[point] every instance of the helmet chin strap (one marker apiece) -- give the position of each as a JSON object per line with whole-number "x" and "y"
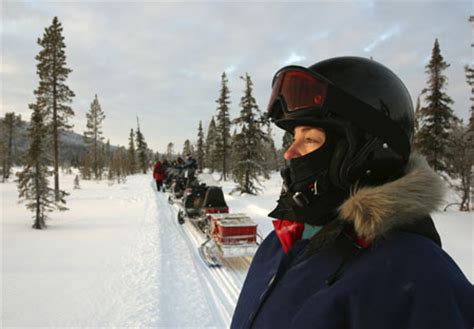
{"x": 315, "y": 207}
{"x": 308, "y": 195}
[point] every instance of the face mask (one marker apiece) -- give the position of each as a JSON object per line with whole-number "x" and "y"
{"x": 302, "y": 172}
{"x": 300, "y": 176}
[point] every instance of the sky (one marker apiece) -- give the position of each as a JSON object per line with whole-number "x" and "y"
{"x": 162, "y": 61}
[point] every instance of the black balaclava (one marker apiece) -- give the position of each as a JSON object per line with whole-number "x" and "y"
{"x": 308, "y": 195}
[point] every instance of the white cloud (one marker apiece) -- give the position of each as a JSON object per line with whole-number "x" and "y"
{"x": 294, "y": 58}
{"x": 393, "y": 31}
{"x": 163, "y": 61}
{"x": 231, "y": 69}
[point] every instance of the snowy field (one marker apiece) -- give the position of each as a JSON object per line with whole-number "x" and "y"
{"x": 118, "y": 258}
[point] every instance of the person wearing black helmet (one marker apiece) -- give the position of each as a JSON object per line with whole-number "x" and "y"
{"x": 354, "y": 245}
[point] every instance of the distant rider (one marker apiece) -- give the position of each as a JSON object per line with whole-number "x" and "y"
{"x": 158, "y": 174}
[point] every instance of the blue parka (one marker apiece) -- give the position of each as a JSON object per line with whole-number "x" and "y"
{"x": 402, "y": 280}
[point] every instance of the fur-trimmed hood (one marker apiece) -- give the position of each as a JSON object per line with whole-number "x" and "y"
{"x": 376, "y": 209}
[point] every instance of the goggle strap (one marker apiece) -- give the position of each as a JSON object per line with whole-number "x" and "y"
{"x": 369, "y": 119}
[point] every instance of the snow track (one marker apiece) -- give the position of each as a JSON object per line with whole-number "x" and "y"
{"x": 162, "y": 281}
{"x": 224, "y": 283}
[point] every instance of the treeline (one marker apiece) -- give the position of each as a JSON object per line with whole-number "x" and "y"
{"x": 247, "y": 154}
{"x": 444, "y": 139}
{"x": 51, "y": 113}
{"x": 241, "y": 148}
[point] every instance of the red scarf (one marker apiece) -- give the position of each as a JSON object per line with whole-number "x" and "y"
{"x": 288, "y": 232}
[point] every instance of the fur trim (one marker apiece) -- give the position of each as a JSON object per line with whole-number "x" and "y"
{"x": 376, "y": 209}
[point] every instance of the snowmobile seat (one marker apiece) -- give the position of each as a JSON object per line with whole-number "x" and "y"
{"x": 193, "y": 201}
{"x": 214, "y": 198}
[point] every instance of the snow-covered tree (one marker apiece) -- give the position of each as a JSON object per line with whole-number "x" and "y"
{"x": 33, "y": 186}
{"x": 250, "y": 143}
{"x": 131, "y": 154}
{"x": 233, "y": 151}
{"x": 222, "y": 141}
{"x": 200, "y": 148}
{"x": 53, "y": 95}
{"x": 142, "y": 150}
{"x": 437, "y": 117}
{"x": 211, "y": 154}
{"x": 93, "y": 136}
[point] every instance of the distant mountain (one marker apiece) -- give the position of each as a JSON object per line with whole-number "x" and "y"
{"x": 71, "y": 148}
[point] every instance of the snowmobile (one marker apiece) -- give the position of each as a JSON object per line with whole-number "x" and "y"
{"x": 226, "y": 235}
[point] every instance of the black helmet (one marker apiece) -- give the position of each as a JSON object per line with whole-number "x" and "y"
{"x": 363, "y": 101}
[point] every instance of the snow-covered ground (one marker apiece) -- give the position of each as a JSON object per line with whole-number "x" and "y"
{"x": 118, "y": 257}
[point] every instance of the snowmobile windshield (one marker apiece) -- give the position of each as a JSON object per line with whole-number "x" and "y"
{"x": 300, "y": 94}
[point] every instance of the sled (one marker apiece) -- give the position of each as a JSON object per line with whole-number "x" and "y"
{"x": 234, "y": 234}
{"x": 226, "y": 235}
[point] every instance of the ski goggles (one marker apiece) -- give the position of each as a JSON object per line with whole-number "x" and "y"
{"x": 299, "y": 93}
{"x": 297, "y": 88}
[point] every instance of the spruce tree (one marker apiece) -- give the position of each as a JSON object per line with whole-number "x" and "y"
{"x": 131, "y": 154}
{"x": 9, "y": 126}
{"x": 3, "y": 161}
{"x": 270, "y": 152}
{"x": 250, "y": 141}
{"x": 223, "y": 123}
{"x": 33, "y": 183}
{"x": 437, "y": 117}
{"x": 53, "y": 95}
{"x": 233, "y": 151}
{"x": 470, "y": 81}
{"x": 463, "y": 143}
{"x": 107, "y": 154}
{"x": 142, "y": 150}
{"x": 186, "y": 147}
{"x": 85, "y": 166}
{"x": 118, "y": 168}
{"x": 200, "y": 148}
{"x": 461, "y": 163}
{"x": 211, "y": 154}
{"x": 93, "y": 136}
